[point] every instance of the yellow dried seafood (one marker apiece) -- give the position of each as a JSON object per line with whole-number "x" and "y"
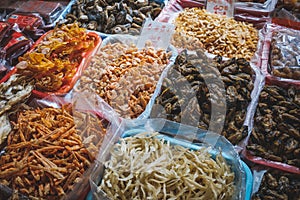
{"x": 145, "y": 167}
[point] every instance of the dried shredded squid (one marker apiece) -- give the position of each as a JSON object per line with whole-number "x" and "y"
{"x": 145, "y": 167}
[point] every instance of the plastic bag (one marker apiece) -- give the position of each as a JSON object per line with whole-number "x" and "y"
{"x": 281, "y": 52}
{"x": 182, "y": 134}
{"x": 91, "y": 126}
{"x": 131, "y": 93}
{"x": 272, "y": 140}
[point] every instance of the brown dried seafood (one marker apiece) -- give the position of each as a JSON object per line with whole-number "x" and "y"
{"x": 196, "y": 91}
{"x": 218, "y": 34}
{"x": 284, "y": 52}
{"x": 124, "y": 76}
{"x": 275, "y": 134}
{"x": 45, "y": 154}
{"x": 14, "y": 91}
{"x": 145, "y": 167}
{"x": 110, "y": 16}
{"x": 277, "y": 185}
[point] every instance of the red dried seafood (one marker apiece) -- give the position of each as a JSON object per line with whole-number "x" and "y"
{"x": 47, "y": 151}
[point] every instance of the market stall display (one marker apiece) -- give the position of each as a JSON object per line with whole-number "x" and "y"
{"x": 113, "y": 17}
{"x": 123, "y": 75}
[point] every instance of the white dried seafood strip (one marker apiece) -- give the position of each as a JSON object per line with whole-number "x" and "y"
{"x": 124, "y": 76}
{"x": 218, "y": 34}
{"x": 145, "y": 167}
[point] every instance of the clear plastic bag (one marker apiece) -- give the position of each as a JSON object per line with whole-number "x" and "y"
{"x": 189, "y": 137}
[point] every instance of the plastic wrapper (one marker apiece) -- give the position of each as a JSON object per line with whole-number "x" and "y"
{"x": 13, "y": 44}
{"x": 275, "y": 134}
{"x": 29, "y": 23}
{"x": 177, "y": 134}
{"x": 207, "y": 94}
{"x": 255, "y": 9}
{"x": 58, "y": 72}
{"x": 91, "y": 127}
{"x": 274, "y": 184}
{"x": 111, "y": 17}
{"x": 280, "y": 52}
{"x": 133, "y": 82}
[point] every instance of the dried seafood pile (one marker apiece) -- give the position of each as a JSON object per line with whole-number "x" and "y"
{"x": 275, "y": 134}
{"x": 46, "y": 152}
{"x": 110, "y": 16}
{"x": 218, "y": 34}
{"x": 145, "y": 167}
{"x": 196, "y": 91}
{"x": 124, "y": 76}
{"x": 14, "y": 91}
{"x": 54, "y": 60}
{"x": 278, "y": 185}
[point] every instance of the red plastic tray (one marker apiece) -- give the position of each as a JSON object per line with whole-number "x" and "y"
{"x": 66, "y": 87}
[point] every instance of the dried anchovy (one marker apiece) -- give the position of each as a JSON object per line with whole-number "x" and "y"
{"x": 46, "y": 153}
{"x": 277, "y": 185}
{"x": 190, "y": 92}
{"x": 275, "y": 134}
{"x": 145, "y": 167}
{"x": 111, "y": 16}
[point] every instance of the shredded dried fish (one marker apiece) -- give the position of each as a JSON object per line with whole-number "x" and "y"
{"x": 145, "y": 167}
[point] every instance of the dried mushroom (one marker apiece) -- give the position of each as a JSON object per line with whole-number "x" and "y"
{"x": 275, "y": 134}
{"x": 277, "y": 185}
{"x": 47, "y": 152}
{"x": 218, "y": 34}
{"x": 203, "y": 93}
{"x": 124, "y": 76}
{"x": 145, "y": 167}
{"x": 113, "y": 17}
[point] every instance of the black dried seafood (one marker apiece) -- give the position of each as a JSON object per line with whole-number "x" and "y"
{"x": 202, "y": 93}
{"x": 111, "y": 16}
{"x": 275, "y": 134}
{"x": 277, "y": 185}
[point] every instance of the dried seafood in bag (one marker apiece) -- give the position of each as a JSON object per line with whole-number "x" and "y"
{"x": 275, "y": 135}
{"x": 145, "y": 167}
{"x": 218, "y": 34}
{"x": 124, "y": 76}
{"x": 113, "y": 17}
{"x": 278, "y": 185}
{"x": 48, "y": 151}
{"x": 54, "y": 60}
{"x": 14, "y": 91}
{"x": 197, "y": 90}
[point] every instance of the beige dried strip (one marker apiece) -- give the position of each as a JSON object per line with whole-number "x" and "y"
{"x": 145, "y": 167}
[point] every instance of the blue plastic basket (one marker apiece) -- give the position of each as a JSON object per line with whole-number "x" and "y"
{"x": 174, "y": 141}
